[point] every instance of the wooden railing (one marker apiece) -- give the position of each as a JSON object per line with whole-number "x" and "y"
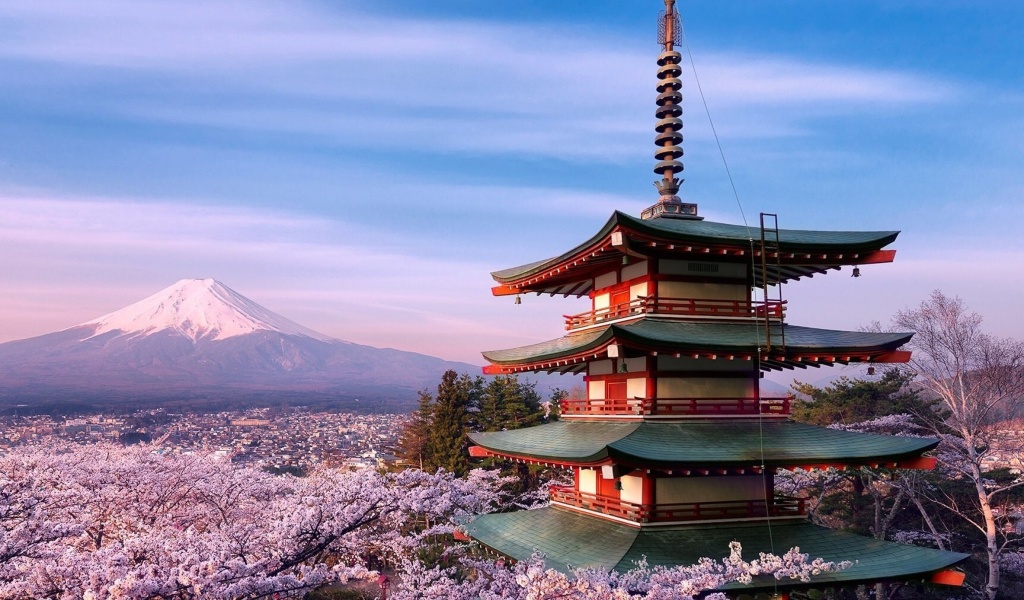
{"x": 676, "y": 406}
{"x": 780, "y": 506}
{"x": 739, "y": 309}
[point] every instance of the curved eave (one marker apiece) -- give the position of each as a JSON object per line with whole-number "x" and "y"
{"x": 567, "y": 541}
{"x": 703, "y": 444}
{"x": 790, "y": 346}
{"x": 801, "y": 253}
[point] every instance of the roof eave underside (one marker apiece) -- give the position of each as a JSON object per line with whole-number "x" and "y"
{"x": 570, "y": 272}
{"x": 730, "y": 341}
{"x": 701, "y": 444}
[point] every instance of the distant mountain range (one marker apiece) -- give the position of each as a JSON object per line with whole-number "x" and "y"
{"x": 199, "y": 342}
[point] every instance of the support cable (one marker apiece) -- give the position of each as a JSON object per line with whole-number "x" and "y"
{"x": 764, "y": 276}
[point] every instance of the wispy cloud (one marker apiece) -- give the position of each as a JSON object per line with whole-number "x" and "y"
{"x": 358, "y": 79}
{"x": 66, "y": 260}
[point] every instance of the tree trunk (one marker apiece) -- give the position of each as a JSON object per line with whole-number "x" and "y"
{"x": 991, "y": 541}
{"x": 928, "y": 521}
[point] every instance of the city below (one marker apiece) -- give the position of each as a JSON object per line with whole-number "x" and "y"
{"x": 291, "y": 440}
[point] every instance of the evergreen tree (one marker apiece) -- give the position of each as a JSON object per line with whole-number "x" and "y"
{"x": 412, "y": 445}
{"x": 507, "y": 403}
{"x": 554, "y": 408}
{"x": 446, "y": 444}
{"x": 847, "y": 401}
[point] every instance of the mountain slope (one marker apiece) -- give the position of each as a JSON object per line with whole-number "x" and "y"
{"x": 201, "y": 338}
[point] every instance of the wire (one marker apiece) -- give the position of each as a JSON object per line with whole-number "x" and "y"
{"x": 753, "y": 266}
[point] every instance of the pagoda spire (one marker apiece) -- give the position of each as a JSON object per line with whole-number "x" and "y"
{"x": 669, "y": 126}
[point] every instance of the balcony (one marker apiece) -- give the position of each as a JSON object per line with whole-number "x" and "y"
{"x": 675, "y": 407}
{"x": 781, "y": 506}
{"x": 689, "y": 307}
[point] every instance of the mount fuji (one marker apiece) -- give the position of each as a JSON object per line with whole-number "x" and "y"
{"x": 199, "y": 342}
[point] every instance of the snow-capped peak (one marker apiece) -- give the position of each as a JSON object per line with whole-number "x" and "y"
{"x": 199, "y": 309}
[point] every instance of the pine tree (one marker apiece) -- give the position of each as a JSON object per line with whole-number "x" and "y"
{"x": 412, "y": 445}
{"x": 507, "y": 403}
{"x": 446, "y": 445}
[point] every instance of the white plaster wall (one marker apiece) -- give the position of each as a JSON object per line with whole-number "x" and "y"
{"x": 588, "y": 481}
{"x": 595, "y": 390}
{"x": 632, "y": 489}
{"x": 636, "y": 388}
{"x": 600, "y": 367}
{"x": 634, "y": 270}
{"x": 678, "y": 490}
{"x": 705, "y": 387}
{"x": 636, "y": 364}
{"x": 637, "y": 290}
{"x": 603, "y": 281}
{"x": 601, "y": 301}
{"x": 698, "y": 291}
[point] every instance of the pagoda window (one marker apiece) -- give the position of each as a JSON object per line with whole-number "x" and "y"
{"x": 703, "y": 269}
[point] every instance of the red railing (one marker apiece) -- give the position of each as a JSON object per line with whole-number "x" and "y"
{"x": 676, "y": 406}
{"x": 780, "y": 506}
{"x": 744, "y": 309}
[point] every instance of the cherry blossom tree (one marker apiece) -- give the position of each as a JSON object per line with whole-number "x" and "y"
{"x": 532, "y": 580}
{"x": 979, "y": 380}
{"x": 108, "y": 522}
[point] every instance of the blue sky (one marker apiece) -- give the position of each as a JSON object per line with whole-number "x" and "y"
{"x": 360, "y": 167}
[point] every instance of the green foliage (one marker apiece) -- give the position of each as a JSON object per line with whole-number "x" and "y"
{"x": 555, "y": 404}
{"x": 848, "y": 401}
{"x": 507, "y": 403}
{"x": 412, "y": 444}
{"x": 446, "y": 442}
{"x": 436, "y": 434}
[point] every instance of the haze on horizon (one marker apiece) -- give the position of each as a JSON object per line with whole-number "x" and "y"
{"x": 360, "y": 169}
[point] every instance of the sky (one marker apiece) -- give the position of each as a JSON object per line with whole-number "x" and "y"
{"x": 361, "y": 166}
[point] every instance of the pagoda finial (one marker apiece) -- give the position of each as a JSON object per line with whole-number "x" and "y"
{"x": 670, "y": 125}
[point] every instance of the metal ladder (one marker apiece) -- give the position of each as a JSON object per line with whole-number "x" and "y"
{"x": 770, "y": 250}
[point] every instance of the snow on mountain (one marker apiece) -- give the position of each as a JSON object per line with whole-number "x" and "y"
{"x": 198, "y": 309}
{"x": 199, "y": 339}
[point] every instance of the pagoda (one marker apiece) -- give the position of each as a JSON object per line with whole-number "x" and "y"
{"x": 674, "y": 451}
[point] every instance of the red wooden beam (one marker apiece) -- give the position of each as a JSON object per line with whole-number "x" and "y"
{"x": 948, "y": 577}
{"x": 877, "y": 257}
{"x": 894, "y": 356}
{"x": 504, "y": 290}
{"x": 923, "y": 463}
{"x": 479, "y": 452}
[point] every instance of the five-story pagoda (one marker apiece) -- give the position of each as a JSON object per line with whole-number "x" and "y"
{"x": 674, "y": 450}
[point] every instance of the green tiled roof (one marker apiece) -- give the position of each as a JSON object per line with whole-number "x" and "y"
{"x": 707, "y": 232}
{"x": 572, "y": 540}
{"x": 651, "y": 332}
{"x": 700, "y": 443}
